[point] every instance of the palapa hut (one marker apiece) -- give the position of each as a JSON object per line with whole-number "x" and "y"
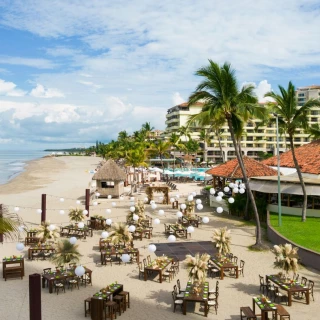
{"x": 110, "y": 179}
{"x": 231, "y": 171}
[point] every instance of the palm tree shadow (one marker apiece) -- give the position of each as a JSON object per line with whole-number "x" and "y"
{"x": 246, "y": 288}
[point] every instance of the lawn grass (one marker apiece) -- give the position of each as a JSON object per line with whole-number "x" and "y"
{"x": 306, "y": 234}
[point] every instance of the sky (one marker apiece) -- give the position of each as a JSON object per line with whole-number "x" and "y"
{"x": 72, "y": 72}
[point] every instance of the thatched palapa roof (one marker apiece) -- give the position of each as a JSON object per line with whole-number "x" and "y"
{"x": 110, "y": 171}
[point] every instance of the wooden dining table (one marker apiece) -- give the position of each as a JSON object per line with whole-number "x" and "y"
{"x": 61, "y": 276}
{"x": 291, "y": 287}
{"x": 225, "y": 264}
{"x": 118, "y": 253}
{"x": 40, "y": 249}
{"x": 202, "y": 297}
{"x": 265, "y": 307}
{"x": 179, "y": 230}
{"x": 155, "y": 267}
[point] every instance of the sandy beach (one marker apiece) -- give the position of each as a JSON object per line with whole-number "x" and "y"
{"x": 68, "y": 177}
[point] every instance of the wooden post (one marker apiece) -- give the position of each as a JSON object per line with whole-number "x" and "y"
{"x": 43, "y": 207}
{"x": 35, "y": 296}
{"x": 87, "y": 201}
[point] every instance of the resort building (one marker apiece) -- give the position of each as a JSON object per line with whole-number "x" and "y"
{"x": 253, "y": 142}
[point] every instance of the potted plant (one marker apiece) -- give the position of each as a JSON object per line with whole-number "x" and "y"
{"x": 222, "y": 240}
{"x": 76, "y": 215}
{"x": 65, "y": 253}
{"x": 44, "y": 233}
{"x": 286, "y": 258}
{"x": 197, "y": 267}
{"x": 120, "y": 234}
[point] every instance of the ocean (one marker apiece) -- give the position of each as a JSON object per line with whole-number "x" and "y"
{"x": 12, "y": 162}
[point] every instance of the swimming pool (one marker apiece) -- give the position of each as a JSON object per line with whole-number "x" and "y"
{"x": 195, "y": 173}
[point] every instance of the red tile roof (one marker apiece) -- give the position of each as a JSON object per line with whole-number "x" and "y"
{"x": 231, "y": 169}
{"x": 308, "y": 157}
{"x": 185, "y": 104}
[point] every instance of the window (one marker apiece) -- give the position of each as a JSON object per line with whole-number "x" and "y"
{"x": 314, "y": 112}
{"x": 314, "y": 119}
{"x": 301, "y": 99}
{"x": 249, "y": 138}
{"x": 301, "y": 95}
{"x": 107, "y": 184}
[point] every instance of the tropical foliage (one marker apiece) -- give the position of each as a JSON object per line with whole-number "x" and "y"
{"x": 222, "y": 240}
{"x": 197, "y": 266}
{"x": 76, "y": 215}
{"x": 120, "y": 234}
{"x": 65, "y": 253}
{"x": 292, "y": 117}
{"x": 286, "y": 257}
{"x": 44, "y": 233}
{"x": 139, "y": 211}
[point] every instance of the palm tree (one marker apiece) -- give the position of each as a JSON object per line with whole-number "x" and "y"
{"x": 220, "y": 94}
{"x": 65, "y": 253}
{"x": 175, "y": 144}
{"x": 147, "y": 129}
{"x": 8, "y": 226}
{"x": 197, "y": 266}
{"x": 205, "y": 138}
{"x": 286, "y": 258}
{"x": 291, "y": 118}
{"x": 184, "y": 131}
{"x": 161, "y": 149}
{"x": 314, "y": 131}
{"x": 76, "y": 215}
{"x": 222, "y": 240}
{"x": 120, "y": 234}
{"x": 44, "y": 233}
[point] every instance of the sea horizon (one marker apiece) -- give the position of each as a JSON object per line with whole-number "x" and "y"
{"x": 13, "y": 162}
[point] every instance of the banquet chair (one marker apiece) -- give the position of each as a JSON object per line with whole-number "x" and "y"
{"x": 149, "y": 259}
{"x": 141, "y": 270}
{"x": 176, "y": 302}
{"x": 213, "y": 302}
{"x": 59, "y": 285}
{"x": 179, "y": 287}
{"x": 278, "y": 294}
{"x": 73, "y": 282}
{"x": 263, "y": 285}
{"x": 240, "y": 269}
{"x": 166, "y": 275}
{"x": 178, "y": 294}
{"x": 46, "y": 271}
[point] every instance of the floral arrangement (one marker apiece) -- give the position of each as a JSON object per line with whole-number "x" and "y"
{"x": 197, "y": 266}
{"x": 222, "y": 240}
{"x": 190, "y": 206}
{"x": 286, "y": 258}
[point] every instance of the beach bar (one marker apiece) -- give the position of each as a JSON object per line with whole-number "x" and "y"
{"x": 110, "y": 179}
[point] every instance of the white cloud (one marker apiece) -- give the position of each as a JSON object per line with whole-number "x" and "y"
{"x": 41, "y": 92}
{"x": 90, "y": 84}
{"x": 10, "y": 89}
{"x": 261, "y": 89}
{"x": 177, "y": 99}
{"x": 29, "y": 62}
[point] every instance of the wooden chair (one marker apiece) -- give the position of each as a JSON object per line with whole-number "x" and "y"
{"x": 126, "y": 297}
{"x": 73, "y": 282}
{"x": 304, "y": 281}
{"x": 107, "y": 259}
{"x": 111, "y": 310}
{"x": 59, "y": 285}
{"x": 176, "y": 265}
{"x": 179, "y": 287}
{"x": 213, "y": 291}
{"x": 213, "y": 302}
{"x": 86, "y": 279}
{"x": 141, "y": 270}
{"x": 263, "y": 285}
{"x": 278, "y": 294}
{"x": 176, "y": 302}
{"x": 47, "y": 254}
{"x": 247, "y": 313}
{"x": 270, "y": 290}
{"x": 166, "y": 275}
{"x": 240, "y": 269}
{"x": 310, "y": 286}
{"x": 120, "y": 301}
{"x": 235, "y": 260}
{"x": 177, "y": 293}
{"x": 149, "y": 259}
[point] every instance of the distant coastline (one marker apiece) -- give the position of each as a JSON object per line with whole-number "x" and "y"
{"x": 66, "y": 150}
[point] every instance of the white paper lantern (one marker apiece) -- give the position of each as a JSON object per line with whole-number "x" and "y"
{"x": 39, "y": 211}
{"x": 132, "y": 209}
{"x": 218, "y": 198}
{"x": 161, "y": 212}
{"x": 52, "y": 227}
{"x": 85, "y": 212}
{"x": 171, "y": 238}
{"x": 20, "y": 246}
{"x": 125, "y": 258}
{"x": 200, "y": 206}
{"x": 152, "y": 248}
{"x": 108, "y": 211}
{"x": 242, "y": 185}
{"x": 190, "y": 229}
{"x": 183, "y": 206}
{"x": 194, "y": 193}
{"x": 190, "y": 197}
{"x": 109, "y": 196}
{"x": 235, "y": 190}
{"x": 226, "y": 189}
{"x": 95, "y": 203}
{"x": 132, "y": 228}
{"x": 131, "y": 198}
{"x": 146, "y": 200}
{"x": 79, "y": 271}
{"x": 212, "y": 191}
{"x": 97, "y": 194}
{"x": 135, "y": 217}
{"x": 113, "y": 204}
{"x": 198, "y": 201}
{"x": 62, "y": 212}
{"x": 221, "y": 194}
{"x": 231, "y": 185}
{"x": 80, "y": 225}
{"x": 21, "y": 228}
{"x": 16, "y": 209}
{"x": 153, "y": 206}
{"x": 108, "y": 222}
{"x": 78, "y": 202}
{"x": 231, "y": 200}
{"x": 172, "y": 200}
{"x": 104, "y": 234}
{"x": 73, "y": 240}
{"x": 241, "y": 190}
{"x": 179, "y": 214}
{"x": 61, "y": 199}
{"x": 177, "y": 196}
{"x": 205, "y": 219}
{"x": 219, "y": 209}
{"x": 156, "y": 221}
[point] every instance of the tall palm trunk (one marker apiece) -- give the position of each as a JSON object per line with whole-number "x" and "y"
{"x": 205, "y": 154}
{"x": 245, "y": 178}
{"x": 305, "y": 197}
{"x": 220, "y": 147}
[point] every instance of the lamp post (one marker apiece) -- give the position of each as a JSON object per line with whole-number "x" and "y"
{"x": 278, "y": 165}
